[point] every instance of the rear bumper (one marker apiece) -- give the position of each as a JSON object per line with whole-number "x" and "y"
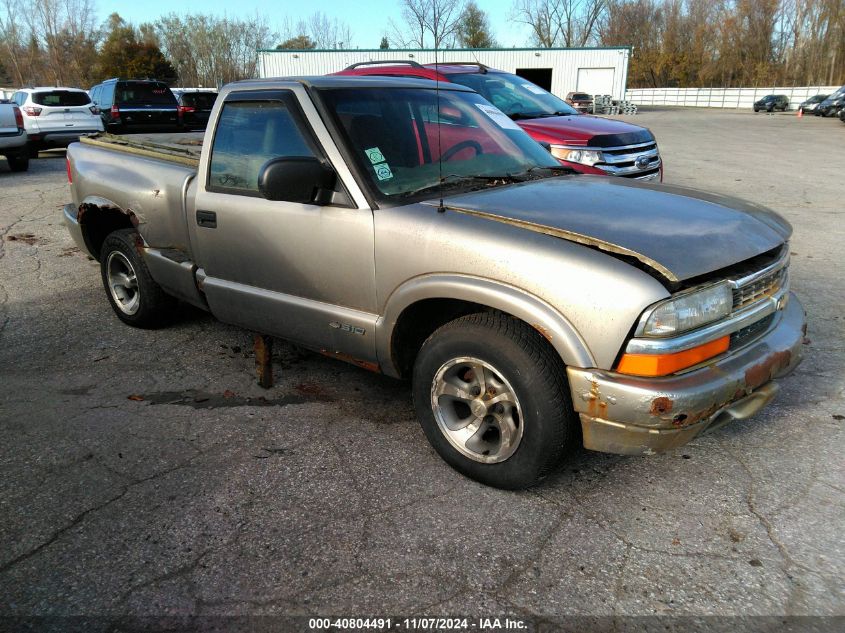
{"x": 640, "y": 416}
{"x": 13, "y": 144}
{"x": 64, "y": 137}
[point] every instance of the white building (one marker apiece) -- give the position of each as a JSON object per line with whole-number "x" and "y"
{"x": 560, "y": 70}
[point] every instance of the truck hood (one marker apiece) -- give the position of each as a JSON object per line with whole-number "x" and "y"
{"x": 679, "y": 232}
{"x": 583, "y": 129}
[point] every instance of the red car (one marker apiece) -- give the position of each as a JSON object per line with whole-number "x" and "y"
{"x": 588, "y": 144}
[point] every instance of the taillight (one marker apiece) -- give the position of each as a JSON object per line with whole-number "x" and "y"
{"x": 184, "y": 109}
{"x": 18, "y": 117}
{"x": 69, "y": 175}
{"x": 115, "y": 112}
{"x": 31, "y": 111}
{"x": 94, "y": 109}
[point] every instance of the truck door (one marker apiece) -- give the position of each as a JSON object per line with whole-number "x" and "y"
{"x": 304, "y": 272}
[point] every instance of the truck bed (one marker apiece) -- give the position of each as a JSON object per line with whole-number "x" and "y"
{"x": 182, "y": 148}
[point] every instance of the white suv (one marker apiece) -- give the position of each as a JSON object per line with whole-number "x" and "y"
{"x": 57, "y": 116}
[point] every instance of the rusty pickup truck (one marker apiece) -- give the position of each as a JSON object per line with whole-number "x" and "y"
{"x": 416, "y": 230}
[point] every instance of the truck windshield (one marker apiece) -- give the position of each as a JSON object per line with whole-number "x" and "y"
{"x": 513, "y": 95}
{"x": 405, "y": 139}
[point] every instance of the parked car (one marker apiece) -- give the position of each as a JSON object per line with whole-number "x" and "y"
{"x": 55, "y": 117}
{"x": 812, "y": 103}
{"x": 581, "y": 101}
{"x": 833, "y": 104}
{"x": 195, "y": 107}
{"x": 842, "y": 115}
{"x": 588, "y": 144}
{"x": 770, "y": 103}
{"x": 13, "y": 137}
{"x": 136, "y": 105}
{"x": 421, "y": 233}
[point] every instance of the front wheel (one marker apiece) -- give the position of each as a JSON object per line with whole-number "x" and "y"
{"x": 134, "y": 296}
{"x": 493, "y": 400}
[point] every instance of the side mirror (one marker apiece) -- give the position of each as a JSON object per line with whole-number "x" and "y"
{"x": 303, "y": 179}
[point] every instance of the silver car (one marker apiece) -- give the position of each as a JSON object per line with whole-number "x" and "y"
{"x": 13, "y": 137}
{"x": 419, "y": 232}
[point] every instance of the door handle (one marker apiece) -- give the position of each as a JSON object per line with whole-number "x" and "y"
{"x": 208, "y": 219}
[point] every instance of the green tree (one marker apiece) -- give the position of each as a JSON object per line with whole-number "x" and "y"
{"x": 125, "y": 55}
{"x": 384, "y": 43}
{"x": 474, "y": 28}
{"x": 298, "y": 43}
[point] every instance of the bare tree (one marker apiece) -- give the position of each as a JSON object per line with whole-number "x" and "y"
{"x": 424, "y": 20}
{"x": 50, "y": 41}
{"x": 322, "y": 31}
{"x": 211, "y": 51}
{"x": 560, "y": 22}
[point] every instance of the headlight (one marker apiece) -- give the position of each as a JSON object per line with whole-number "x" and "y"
{"x": 573, "y": 155}
{"x": 689, "y": 311}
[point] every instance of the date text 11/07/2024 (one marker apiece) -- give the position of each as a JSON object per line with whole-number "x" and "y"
{"x": 417, "y": 624}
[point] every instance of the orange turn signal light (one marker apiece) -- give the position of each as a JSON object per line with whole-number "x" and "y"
{"x": 665, "y": 364}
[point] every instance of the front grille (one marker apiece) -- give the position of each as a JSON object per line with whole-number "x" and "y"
{"x": 750, "y": 332}
{"x": 621, "y": 151}
{"x": 622, "y": 161}
{"x": 758, "y": 289}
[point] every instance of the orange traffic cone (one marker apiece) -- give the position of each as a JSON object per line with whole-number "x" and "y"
{"x": 800, "y": 112}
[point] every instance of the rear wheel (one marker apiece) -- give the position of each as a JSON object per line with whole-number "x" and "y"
{"x": 493, "y": 400}
{"x": 133, "y": 294}
{"x": 18, "y": 163}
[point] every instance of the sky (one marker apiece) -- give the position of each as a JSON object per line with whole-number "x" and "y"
{"x": 367, "y": 19}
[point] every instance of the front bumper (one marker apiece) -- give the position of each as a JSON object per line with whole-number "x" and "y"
{"x": 630, "y": 415}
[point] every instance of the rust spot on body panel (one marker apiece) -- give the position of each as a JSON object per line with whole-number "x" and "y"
{"x": 763, "y": 372}
{"x": 661, "y": 406}
{"x": 597, "y": 407}
{"x": 544, "y": 331}
{"x": 363, "y": 364}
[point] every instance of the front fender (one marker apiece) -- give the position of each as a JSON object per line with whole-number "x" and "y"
{"x": 554, "y": 326}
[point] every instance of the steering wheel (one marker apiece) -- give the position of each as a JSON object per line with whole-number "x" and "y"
{"x": 449, "y": 153}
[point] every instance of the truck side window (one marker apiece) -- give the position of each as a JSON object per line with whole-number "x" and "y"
{"x": 249, "y": 133}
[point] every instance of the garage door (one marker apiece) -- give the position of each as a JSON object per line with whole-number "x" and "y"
{"x": 596, "y": 81}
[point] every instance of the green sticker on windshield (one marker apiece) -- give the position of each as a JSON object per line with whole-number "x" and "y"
{"x": 383, "y": 171}
{"x": 375, "y": 155}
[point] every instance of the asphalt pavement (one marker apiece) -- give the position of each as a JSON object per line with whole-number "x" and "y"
{"x": 145, "y": 474}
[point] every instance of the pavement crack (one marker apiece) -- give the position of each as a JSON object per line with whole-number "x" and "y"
{"x": 79, "y": 518}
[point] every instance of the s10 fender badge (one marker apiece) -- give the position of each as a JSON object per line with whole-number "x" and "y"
{"x": 348, "y": 328}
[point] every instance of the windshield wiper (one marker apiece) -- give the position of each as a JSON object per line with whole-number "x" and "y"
{"x": 516, "y": 116}
{"x": 531, "y": 172}
{"x": 454, "y": 179}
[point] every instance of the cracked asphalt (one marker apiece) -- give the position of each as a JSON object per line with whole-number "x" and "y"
{"x": 206, "y": 495}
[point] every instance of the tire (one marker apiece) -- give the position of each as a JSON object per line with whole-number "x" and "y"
{"x": 136, "y": 299}
{"x": 32, "y": 149}
{"x": 518, "y": 366}
{"x": 18, "y": 163}
{"x": 756, "y": 110}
